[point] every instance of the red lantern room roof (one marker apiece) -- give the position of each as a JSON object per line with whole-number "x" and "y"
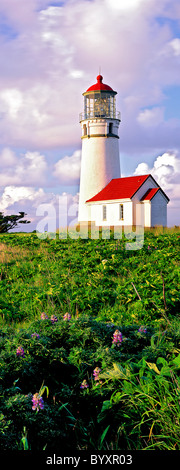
{"x": 99, "y": 86}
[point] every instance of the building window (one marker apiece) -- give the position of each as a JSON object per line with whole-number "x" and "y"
{"x": 84, "y": 129}
{"x": 110, "y": 128}
{"x": 104, "y": 212}
{"x": 121, "y": 212}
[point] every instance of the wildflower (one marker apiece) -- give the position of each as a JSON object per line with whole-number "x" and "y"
{"x": 20, "y": 351}
{"x": 38, "y": 402}
{"x": 142, "y": 329}
{"x": 44, "y": 316}
{"x": 96, "y": 373}
{"x": 53, "y": 318}
{"x": 35, "y": 335}
{"x": 67, "y": 316}
{"x": 84, "y": 384}
{"x": 117, "y": 338}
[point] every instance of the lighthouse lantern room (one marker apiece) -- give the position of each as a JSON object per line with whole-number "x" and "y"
{"x": 100, "y": 143}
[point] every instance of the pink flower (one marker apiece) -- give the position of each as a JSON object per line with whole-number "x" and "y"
{"x": 35, "y": 335}
{"x": 117, "y": 338}
{"x": 44, "y": 316}
{"x": 84, "y": 384}
{"x": 142, "y": 329}
{"x": 67, "y": 316}
{"x": 96, "y": 373}
{"x": 53, "y": 318}
{"x": 20, "y": 351}
{"x": 38, "y": 402}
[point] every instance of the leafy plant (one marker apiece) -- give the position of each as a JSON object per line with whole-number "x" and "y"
{"x": 103, "y": 337}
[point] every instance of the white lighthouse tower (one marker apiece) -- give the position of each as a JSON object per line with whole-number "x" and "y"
{"x": 100, "y": 143}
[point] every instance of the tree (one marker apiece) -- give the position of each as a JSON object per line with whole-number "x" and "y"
{"x": 8, "y": 222}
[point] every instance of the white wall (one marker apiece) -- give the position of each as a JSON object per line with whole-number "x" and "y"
{"x": 147, "y": 213}
{"x": 99, "y": 162}
{"x": 149, "y": 183}
{"x": 112, "y": 213}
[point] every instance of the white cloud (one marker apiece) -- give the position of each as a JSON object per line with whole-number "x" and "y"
{"x": 166, "y": 171}
{"x": 38, "y": 204}
{"x": 142, "y": 169}
{"x": 67, "y": 170}
{"x": 57, "y": 53}
{"x": 7, "y": 158}
{"x": 51, "y": 54}
{"x": 151, "y": 117}
{"x": 175, "y": 45}
{"x": 13, "y": 101}
{"x": 124, "y": 5}
{"x": 22, "y": 195}
{"x": 28, "y": 169}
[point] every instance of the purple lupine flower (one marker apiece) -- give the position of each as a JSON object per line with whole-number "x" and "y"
{"x": 35, "y": 335}
{"x": 67, "y": 316}
{"x": 142, "y": 329}
{"x": 117, "y": 338}
{"x": 96, "y": 373}
{"x": 38, "y": 402}
{"x": 53, "y": 318}
{"x": 44, "y": 316}
{"x": 20, "y": 351}
{"x": 84, "y": 384}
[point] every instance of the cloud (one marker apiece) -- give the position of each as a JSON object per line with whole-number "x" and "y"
{"x": 151, "y": 117}
{"x": 67, "y": 170}
{"x": 7, "y": 158}
{"x": 51, "y": 53}
{"x": 124, "y": 6}
{"x": 28, "y": 169}
{"x": 21, "y": 195}
{"x": 175, "y": 45}
{"x": 166, "y": 171}
{"x": 38, "y": 204}
{"x": 56, "y": 56}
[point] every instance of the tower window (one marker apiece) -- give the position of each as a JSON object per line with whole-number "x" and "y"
{"x": 110, "y": 128}
{"x": 121, "y": 212}
{"x": 104, "y": 208}
{"x": 84, "y": 129}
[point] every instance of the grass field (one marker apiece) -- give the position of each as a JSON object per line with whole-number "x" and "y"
{"x": 89, "y": 343}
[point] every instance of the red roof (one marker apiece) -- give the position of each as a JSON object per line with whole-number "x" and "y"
{"x": 120, "y": 188}
{"x": 99, "y": 85}
{"x": 149, "y": 194}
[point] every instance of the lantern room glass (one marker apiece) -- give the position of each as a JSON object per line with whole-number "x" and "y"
{"x": 99, "y": 104}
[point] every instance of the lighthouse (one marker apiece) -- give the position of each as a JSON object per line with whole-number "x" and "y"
{"x": 100, "y": 161}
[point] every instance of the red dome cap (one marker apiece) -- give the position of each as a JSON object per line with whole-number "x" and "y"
{"x": 99, "y": 85}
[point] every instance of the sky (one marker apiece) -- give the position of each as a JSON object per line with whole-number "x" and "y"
{"x": 51, "y": 52}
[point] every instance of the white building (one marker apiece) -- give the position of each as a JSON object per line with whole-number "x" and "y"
{"x": 105, "y": 198}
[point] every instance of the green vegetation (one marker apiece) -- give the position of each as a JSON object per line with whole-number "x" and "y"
{"x": 89, "y": 343}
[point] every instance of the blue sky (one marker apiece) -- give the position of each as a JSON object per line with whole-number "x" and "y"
{"x": 50, "y": 54}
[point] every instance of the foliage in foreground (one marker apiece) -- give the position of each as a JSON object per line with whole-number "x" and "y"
{"x": 89, "y": 344}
